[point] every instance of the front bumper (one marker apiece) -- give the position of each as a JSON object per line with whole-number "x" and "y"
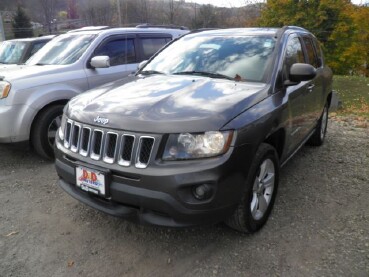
{"x": 15, "y": 123}
{"x": 162, "y": 194}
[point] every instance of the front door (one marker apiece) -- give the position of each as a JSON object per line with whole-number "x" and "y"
{"x": 297, "y": 125}
{"x": 123, "y": 60}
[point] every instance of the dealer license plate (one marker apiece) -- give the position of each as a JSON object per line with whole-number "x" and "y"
{"x": 90, "y": 180}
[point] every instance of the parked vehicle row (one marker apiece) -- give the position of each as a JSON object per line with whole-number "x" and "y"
{"x": 199, "y": 133}
{"x": 32, "y": 96}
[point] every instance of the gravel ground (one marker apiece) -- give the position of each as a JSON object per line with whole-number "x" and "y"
{"x": 319, "y": 226}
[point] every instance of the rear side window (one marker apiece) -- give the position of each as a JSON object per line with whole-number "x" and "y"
{"x": 151, "y": 45}
{"x": 294, "y": 54}
{"x": 313, "y": 60}
{"x": 318, "y": 52}
{"x": 120, "y": 51}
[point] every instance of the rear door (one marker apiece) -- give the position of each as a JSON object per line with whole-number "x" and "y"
{"x": 149, "y": 44}
{"x": 122, "y": 51}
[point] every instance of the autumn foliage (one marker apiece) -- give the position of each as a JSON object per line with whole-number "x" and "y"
{"x": 341, "y": 27}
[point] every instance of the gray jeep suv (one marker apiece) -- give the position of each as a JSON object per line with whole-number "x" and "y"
{"x": 32, "y": 97}
{"x": 200, "y": 133}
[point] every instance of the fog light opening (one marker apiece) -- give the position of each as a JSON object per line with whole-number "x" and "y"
{"x": 201, "y": 192}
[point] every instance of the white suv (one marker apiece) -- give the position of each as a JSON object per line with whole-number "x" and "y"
{"x": 32, "y": 97}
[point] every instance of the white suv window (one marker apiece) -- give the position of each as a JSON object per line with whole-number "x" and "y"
{"x": 151, "y": 45}
{"x": 65, "y": 49}
{"x": 120, "y": 51}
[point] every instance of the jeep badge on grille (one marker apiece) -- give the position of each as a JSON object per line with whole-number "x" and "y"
{"x": 101, "y": 120}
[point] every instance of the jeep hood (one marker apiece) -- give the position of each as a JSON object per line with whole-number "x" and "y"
{"x": 167, "y": 104}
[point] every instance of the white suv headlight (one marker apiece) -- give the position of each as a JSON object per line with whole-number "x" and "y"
{"x": 4, "y": 89}
{"x": 194, "y": 146}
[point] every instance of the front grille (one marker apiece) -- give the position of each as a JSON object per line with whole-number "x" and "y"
{"x": 108, "y": 146}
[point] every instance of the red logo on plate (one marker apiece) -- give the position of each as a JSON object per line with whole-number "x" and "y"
{"x": 89, "y": 176}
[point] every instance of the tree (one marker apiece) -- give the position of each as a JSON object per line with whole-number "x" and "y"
{"x": 72, "y": 9}
{"x": 173, "y": 11}
{"x": 330, "y": 20}
{"x": 97, "y": 12}
{"x": 207, "y": 17}
{"x": 358, "y": 53}
{"x": 48, "y": 7}
{"x": 22, "y": 27}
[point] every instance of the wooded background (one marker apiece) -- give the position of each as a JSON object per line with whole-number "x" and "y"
{"x": 341, "y": 27}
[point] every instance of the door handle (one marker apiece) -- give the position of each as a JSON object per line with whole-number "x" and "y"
{"x": 310, "y": 87}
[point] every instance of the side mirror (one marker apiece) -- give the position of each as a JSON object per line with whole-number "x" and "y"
{"x": 302, "y": 72}
{"x": 142, "y": 64}
{"x": 100, "y": 62}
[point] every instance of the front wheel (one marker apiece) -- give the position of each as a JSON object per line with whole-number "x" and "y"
{"x": 44, "y": 130}
{"x": 260, "y": 192}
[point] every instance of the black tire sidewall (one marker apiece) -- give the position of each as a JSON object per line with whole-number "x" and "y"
{"x": 316, "y": 139}
{"x": 39, "y": 135}
{"x": 264, "y": 152}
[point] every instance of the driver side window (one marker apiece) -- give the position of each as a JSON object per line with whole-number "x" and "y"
{"x": 120, "y": 51}
{"x": 294, "y": 54}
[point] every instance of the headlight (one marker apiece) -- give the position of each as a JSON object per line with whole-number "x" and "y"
{"x": 4, "y": 89}
{"x": 62, "y": 127}
{"x": 193, "y": 146}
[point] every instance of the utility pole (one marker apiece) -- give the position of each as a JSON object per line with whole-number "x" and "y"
{"x": 2, "y": 33}
{"x": 119, "y": 14}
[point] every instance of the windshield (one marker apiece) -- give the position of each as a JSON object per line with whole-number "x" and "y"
{"x": 65, "y": 49}
{"x": 240, "y": 58}
{"x": 11, "y": 51}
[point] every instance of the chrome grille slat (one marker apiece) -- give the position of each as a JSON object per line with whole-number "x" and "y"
{"x": 97, "y": 144}
{"x": 108, "y": 146}
{"x": 85, "y": 141}
{"x": 144, "y": 151}
{"x": 126, "y": 150}
{"x": 67, "y": 135}
{"x": 75, "y": 136}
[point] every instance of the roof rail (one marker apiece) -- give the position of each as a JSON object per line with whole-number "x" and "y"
{"x": 90, "y": 28}
{"x": 203, "y": 29}
{"x": 285, "y": 28}
{"x": 147, "y": 25}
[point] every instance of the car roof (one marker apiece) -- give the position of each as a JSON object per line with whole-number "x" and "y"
{"x": 107, "y": 30}
{"x": 48, "y": 37}
{"x": 247, "y": 31}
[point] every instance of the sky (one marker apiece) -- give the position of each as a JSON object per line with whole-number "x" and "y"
{"x": 237, "y": 3}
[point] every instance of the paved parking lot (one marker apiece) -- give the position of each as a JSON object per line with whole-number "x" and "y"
{"x": 319, "y": 227}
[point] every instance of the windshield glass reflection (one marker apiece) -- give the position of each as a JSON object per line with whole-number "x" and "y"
{"x": 11, "y": 52}
{"x": 65, "y": 49}
{"x": 241, "y": 58}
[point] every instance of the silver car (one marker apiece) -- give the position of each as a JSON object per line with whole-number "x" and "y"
{"x": 17, "y": 51}
{"x": 32, "y": 96}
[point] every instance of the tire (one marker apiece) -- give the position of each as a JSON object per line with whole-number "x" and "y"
{"x": 249, "y": 216}
{"x": 317, "y": 138}
{"x": 44, "y": 129}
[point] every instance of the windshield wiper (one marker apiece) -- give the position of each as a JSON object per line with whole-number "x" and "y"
{"x": 204, "y": 73}
{"x": 150, "y": 72}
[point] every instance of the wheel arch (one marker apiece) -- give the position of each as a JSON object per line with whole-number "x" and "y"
{"x": 329, "y": 98}
{"x": 57, "y": 102}
{"x": 277, "y": 140}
